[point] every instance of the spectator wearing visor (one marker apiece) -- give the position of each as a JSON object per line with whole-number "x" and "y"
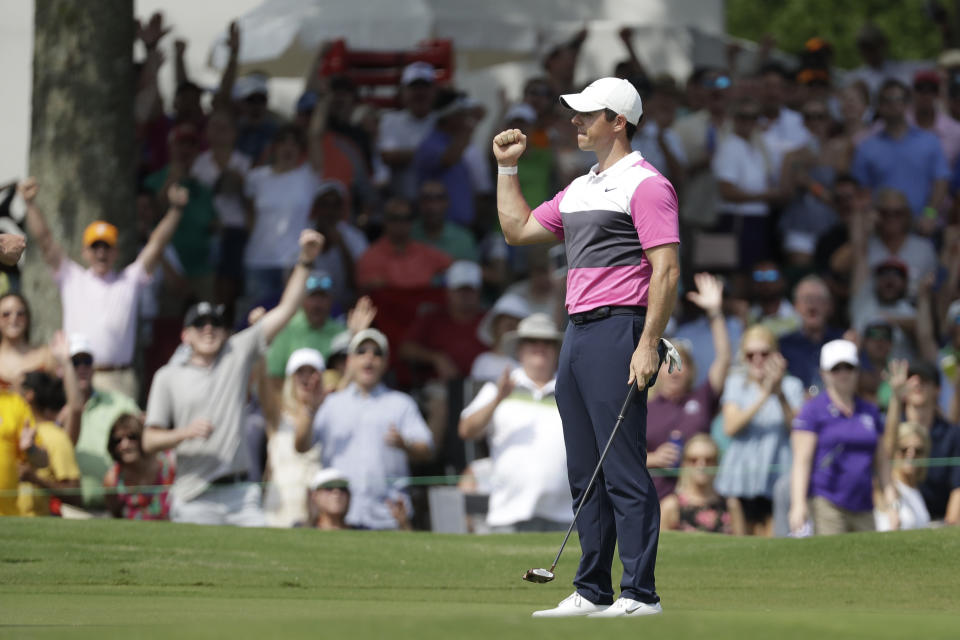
{"x": 98, "y": 302}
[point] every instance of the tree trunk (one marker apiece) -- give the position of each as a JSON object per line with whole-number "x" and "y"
{"x": 82, "y": 137}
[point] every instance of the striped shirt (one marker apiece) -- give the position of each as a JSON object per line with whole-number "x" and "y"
{"x": 606, "y": 220}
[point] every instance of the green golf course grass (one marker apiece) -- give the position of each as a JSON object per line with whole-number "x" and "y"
{"x": 104, "y": 579}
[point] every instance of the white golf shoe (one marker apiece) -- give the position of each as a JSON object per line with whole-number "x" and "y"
{"x": 571, "y": 606}
{"x": 625, "y": 607}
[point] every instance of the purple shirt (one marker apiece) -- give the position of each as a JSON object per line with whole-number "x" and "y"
{"x": 606, "y": 221}
{"x": 846, "y": 446}
{"x": 690, "y": 416}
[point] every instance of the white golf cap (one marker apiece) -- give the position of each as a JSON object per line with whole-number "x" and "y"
{"x": 415, "y": 71}
{"x": 521, "y": 111}
{"x": 305, "y": 358}
{"x": 509, "y": 304}
{"x": 249, "y": 85}
{"x": 327, "y": 477}
{"x": 79, "y": 343}
{"x": 368, "y": 334}
{"x": 838, "y": 352}
{"x": 464, "y": 273}
{"x": 615, "y": 94}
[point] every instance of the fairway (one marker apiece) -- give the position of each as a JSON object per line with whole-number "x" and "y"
{"x": 101, "y": 579}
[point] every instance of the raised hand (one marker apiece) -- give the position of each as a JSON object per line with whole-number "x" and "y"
{"x": 311, "y": 244}
{"x": 153, "y": 32}
{"x": 626, "y": 34}
{"x": 255, "y": 314}
{"x": 178, "y": 196}
{"x": 233, "y": 37}
{"x": 508, "y": 146}
{"x": 180, "y": 47}
{"x": 28, "y": 436}
{"x": 60, "y": 346}
{"x": 896, "y": 376}
{"x": 12, "y": 246}
{"x": 28, "y": 190}
{"x": 362, "y": 315}
{"x": 505, "y": 384}
{"x": 709, "y": 293}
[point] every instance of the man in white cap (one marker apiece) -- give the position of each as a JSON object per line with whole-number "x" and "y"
{"x": 371, "y": 433}
{"x": 519, "y": 418}
{"x": 620, "y": 228}
{"x": 402, "y": 131}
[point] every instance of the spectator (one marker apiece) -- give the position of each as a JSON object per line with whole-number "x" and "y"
{"x": 17, "y": 356}
{"x": 396, "y": 260}
{"x": 696, "y": 505}
{"x": 98, "y": 302}
{"x": 856, "y": 118}
{"x": 770, "y": 306}
{"x": 446, "y": 339}
{"x": 679, "y": 409}
{"x": 892, "y": 238}
{"x": 519, "y": 417}
{"x": 441, "y": 156}
{"x": 328, "y": 501}
{"x": 194, "y": 235}
{"x": 544, "y": 287}
{"x": 758, "y": 405}
{"x": 745, "y": 187}
{"x": 560, "y": 60}
{"x": 913, "y": 398}
{"x": 811, "y": 299}
{"x": 18, "y": 446}
{"x": 256, "y": 126}
{"x": 877, "y": 68}
{"x": 948, "y": 360}
{"x": 291, "y": 471}
{"x": 876, "y": 349}
{"x": 345, "y": 243}
{"x": 311, "y": 326}
{"x": 833, "y": 256}
{"x": 59, "y": 481}
{"x": 222, "y": 169}
{"x": 837, "y": 450}
{"x": 433, "y": 227}
{"x": 371, "y": 433}
{"x": 101, "y": 408}
{"x": 885, "y": 298}
{"x": 503, "y": 318}
{"x": 655, "y": 139}
{"x": 909, "y": 510}
{"x": 783, "y": 128}
{"x": 877, "y": 162}
{"x": 197, "y": 406}
{"x": 281, "y": 195}
{"x": 536, "y": 171}
{"x": 927, "y": 115}
{"x": 402, "y": 131}
{"x": 132, "y": 470}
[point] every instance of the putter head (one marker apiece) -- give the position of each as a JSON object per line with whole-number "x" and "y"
{"x": 538, "y": 575}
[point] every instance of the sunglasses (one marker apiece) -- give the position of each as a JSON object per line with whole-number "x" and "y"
{"x": 747, "y": 116}
{"x": 710, "y": 461}
{"x": 892, "y": 212}
{"x": 926, "y": 87}
{"x": 100, "y": 244}
{"x": 82, "y": 360}
{"x": 917, "y": 451}
{"x": 19, "y": 313}
{"x": 765, "y": 275}
{"x": 843, "y": 366}
{"x": 132, "y": 437}
{"x": 376, "y": 351}
{"x": 750, "y": 355}
{"x": 879, "y": 334}
{"x": 203, "y": 321}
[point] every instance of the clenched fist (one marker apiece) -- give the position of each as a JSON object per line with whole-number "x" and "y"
{"x": 28, "y": 190}
{"x": 178, "y": 196}
{"x": 508, "y": 146}
{"x": 11, "y": 248}
{"x": 311, "y": 243}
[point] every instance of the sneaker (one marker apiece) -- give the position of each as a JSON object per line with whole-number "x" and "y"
{"x": 624, "y": 607}
{"x": 572, "y": 605}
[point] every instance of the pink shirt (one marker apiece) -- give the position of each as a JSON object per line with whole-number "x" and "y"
{"x": 104, "y": 310}
{"x": 606, "y": 220}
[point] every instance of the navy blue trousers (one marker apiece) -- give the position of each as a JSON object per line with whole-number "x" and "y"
{"x": 622, "y": 507}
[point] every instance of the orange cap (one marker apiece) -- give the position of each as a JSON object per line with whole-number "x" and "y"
{"x": 100, "y": 231}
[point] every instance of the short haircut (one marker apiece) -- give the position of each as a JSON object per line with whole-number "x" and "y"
{"x": 893, "y": 83}
{"x": 291, "y": 132}
{"x": 631, "y": 129}
{"x": 48, "y": 393}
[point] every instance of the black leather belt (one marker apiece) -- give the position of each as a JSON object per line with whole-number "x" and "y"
{"x": 605, "y": 312}
{"x": 232, "y": 478}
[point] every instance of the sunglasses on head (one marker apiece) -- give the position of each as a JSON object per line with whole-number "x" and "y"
{"x": 82, "y": 360}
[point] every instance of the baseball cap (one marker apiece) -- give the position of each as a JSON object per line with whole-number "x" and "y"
{"x": 615, "y": 94}
{"x": 340, "y": 344}
{"x": 78, "y": 343}
{"x": 521, "y": 111}
{"x": 925, "y": 370}
{"x": 327, "y": 478}
{"x": 204, "y": 309}
{"x": 319, "y": 281}
{"x": 838, "y": 352}
{"x": 509, "y": 304}
{"x": 305, "y": 357}
{"x": 892, "y": 263}
{"x": 464, "y": 273}
{"x": 331, "y": 184}
{"x": 368, "y": 334}
{"x": 249, "y": 85}
{"x": 926, "y": 76}
{"x": 100, "y": 231}
{"x": 418, "y": 72}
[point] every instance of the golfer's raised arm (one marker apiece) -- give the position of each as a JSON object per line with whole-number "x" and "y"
{"x": 519, "y": 227}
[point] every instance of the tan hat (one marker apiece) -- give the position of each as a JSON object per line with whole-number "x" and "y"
{"x": 538, "y": 326}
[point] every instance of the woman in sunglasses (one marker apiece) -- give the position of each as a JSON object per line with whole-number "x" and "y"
{"x": 696, "y": 505}
{"x": 909, "y": 511}
{"x": 758, "y": 403}
{"x": 837, "y": 451}
{"x": 137, "y": 483}
{"x": 17, "y": 355}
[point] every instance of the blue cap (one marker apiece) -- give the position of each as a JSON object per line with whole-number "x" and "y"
{"x": 319, "y": 281}
{"x": 307, "y": 101}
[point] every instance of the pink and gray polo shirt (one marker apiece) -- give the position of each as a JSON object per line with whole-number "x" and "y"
{"x": 606, "y": 220}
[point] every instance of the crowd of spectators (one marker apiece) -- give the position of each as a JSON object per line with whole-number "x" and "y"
{"x": 326, "y": 309}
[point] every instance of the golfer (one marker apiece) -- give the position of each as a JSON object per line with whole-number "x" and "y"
{"x": 619, "y": 224}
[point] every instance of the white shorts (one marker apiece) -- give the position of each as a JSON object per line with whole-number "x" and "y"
{"x": 235, "y": 504}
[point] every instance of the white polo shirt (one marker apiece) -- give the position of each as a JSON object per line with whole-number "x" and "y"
{"x": 529, "y": 459}
{"x": 744, "y": 166}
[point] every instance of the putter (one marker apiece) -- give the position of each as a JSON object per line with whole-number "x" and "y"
{"x": 541, "y": 576}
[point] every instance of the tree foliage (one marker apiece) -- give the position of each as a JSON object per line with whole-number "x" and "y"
{"x": 911, "y": 31}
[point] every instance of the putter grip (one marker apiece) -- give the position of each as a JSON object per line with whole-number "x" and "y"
{"x": 626, "y": 402}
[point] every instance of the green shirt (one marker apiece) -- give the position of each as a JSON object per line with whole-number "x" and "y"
{"x": 194, "y": 233}
{"x": 454, "y": 240}
{"x": 298, "y": 334}
{"x": 101, "y": 411}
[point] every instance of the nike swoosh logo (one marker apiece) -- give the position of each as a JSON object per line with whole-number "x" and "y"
{"x": 610, "y": 189}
